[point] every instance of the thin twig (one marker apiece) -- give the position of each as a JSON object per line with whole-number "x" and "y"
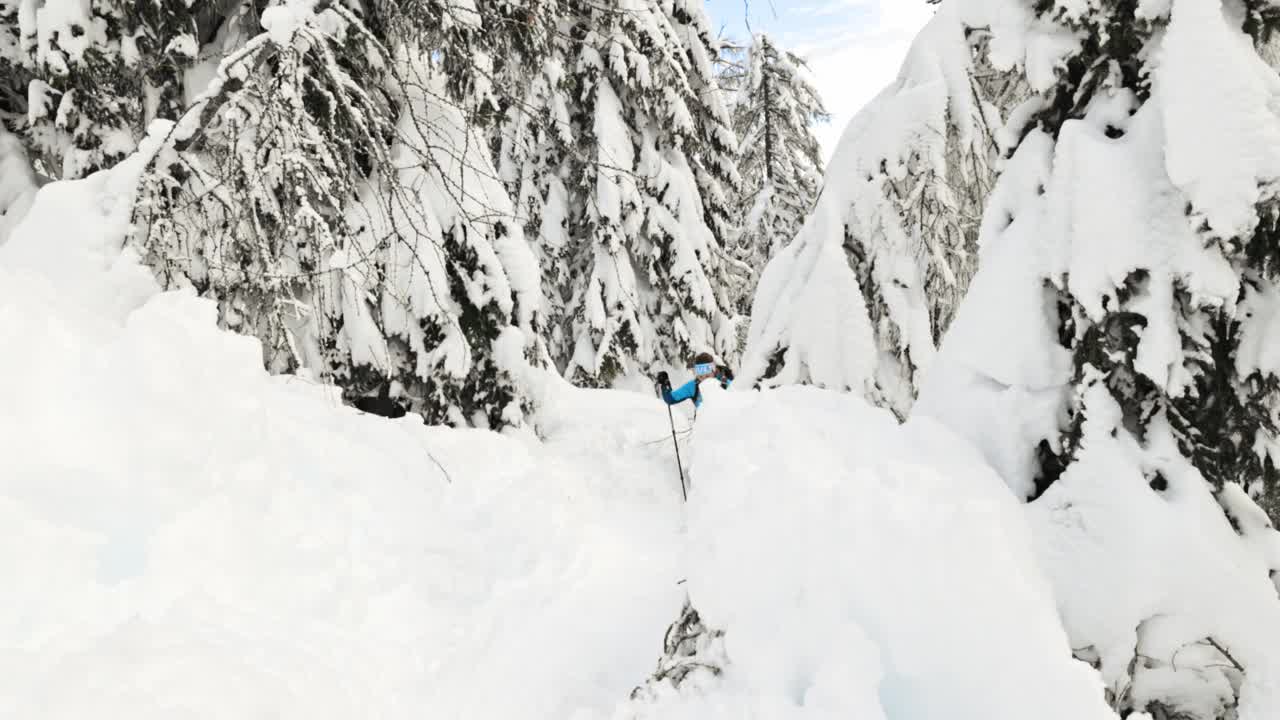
{"x": 1225, "y": 654}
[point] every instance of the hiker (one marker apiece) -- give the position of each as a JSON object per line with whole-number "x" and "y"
{"x": 704, "y": 366}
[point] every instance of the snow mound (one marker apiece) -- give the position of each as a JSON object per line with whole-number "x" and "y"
{"x": 862, "y": 569}
{"x": 1162, "y": 577}
{"x": 17, "y": 183}
{"x": 195, "y": 537}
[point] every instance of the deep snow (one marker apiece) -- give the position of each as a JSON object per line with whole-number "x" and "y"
{"x": 863, "y": 569}
{"x": 17, "y": 183}
{"x": 195, "y": 537}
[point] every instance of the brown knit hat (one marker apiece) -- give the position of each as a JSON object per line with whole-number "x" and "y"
{"x": 702, "y": 357}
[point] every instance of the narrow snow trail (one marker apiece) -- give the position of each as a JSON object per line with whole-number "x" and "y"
{"x": 588, "y": 625}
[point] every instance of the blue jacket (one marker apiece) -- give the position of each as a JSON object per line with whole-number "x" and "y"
{"x": 689, "y": 391}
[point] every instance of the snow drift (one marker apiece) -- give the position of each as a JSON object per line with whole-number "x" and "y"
{"x": 197, "y": 537}
{"x": 17, "y": 183}
{"x": 862, "y": 569}
{"x": 193, "y": 536}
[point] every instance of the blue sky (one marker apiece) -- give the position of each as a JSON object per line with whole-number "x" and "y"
{"x": 854, "y": 47}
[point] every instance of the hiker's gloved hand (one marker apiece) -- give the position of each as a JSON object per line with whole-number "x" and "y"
{"x": 726, "y": 373}
{"x": 664, "y": 381}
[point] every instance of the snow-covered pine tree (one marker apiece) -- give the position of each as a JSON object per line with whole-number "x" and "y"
{"x": 1115, "y": 358}
{"x": 1176, "y": 343}
{"x": 345, "y": 212}
{"x": 862, "y": 295}
{"x": 485, "y": 48}
{"x": 94, "y": 74}
{"x": 629, "y": 239}
{"x": 1176, "y": 340}
{"x": 712, "y": 148}
{"x": 534, "y": 145}
{"x": 780, "y": 160}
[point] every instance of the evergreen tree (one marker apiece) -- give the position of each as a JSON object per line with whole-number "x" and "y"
{"x": 535, "y": 143}
{"x": 610, "y": 152}
{"x": 861, "y": 297}
{"x": 329, "y": 190}
{"x": 94, "y": 74}
{"x": 780, "y": 161}
{"x": 712, "y": 149}
{"x": 1130, "y": 254}
{"x": 1175, "y": 342}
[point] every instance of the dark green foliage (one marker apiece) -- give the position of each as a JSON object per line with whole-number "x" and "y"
{"x": 1261, "y": 20}
{"x": 99, "y": 86}
{"x": 640, "y": 103}
{"x": 484, "y": 54}
{"x": 1218, "y": 421}
{"x": 712, "y": 148}
{"x": 1215, "y": 422}
{"x": 285, "y": 167}
{"x": 863, "y": 267}
{"x": 15, "y": 75}
{"x": 777, "y": 360}
{"x": 1113, "y": 38}
{"x": 263, "y": 196}
{"x": 1220, "y": 417}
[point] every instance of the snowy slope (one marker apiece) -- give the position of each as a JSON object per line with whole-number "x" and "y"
{"x": 196, "y": 538}
{"x": 865, "y": 570}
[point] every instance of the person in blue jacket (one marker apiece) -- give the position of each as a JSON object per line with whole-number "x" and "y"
{"x": 704, "y": 366}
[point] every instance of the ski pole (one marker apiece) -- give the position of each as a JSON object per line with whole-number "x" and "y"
{"x": 674, "y": 440}
{"x": 679, "y": 465}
